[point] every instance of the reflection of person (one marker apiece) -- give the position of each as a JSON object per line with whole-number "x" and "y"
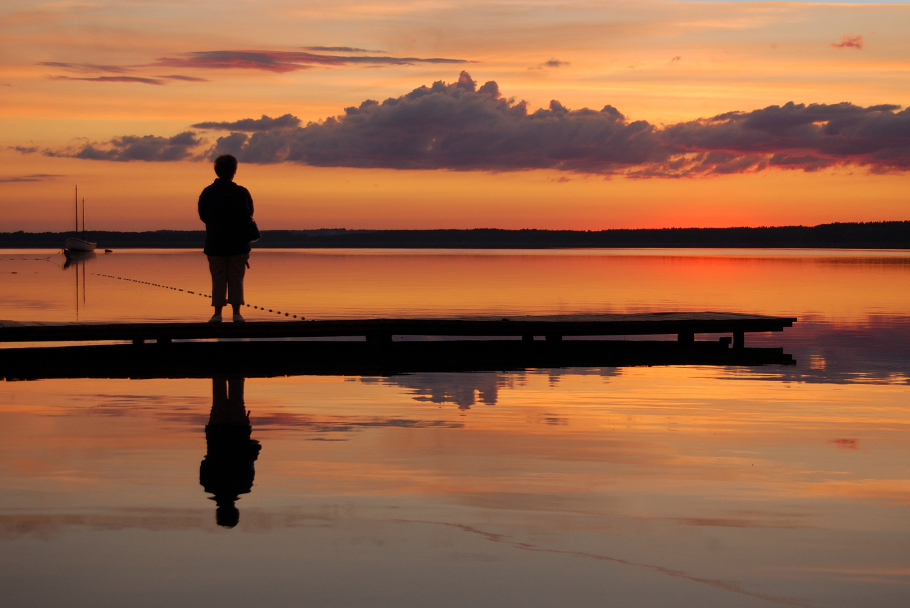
{"x": 225, "y": 208}
{"x": 227, "y": 470}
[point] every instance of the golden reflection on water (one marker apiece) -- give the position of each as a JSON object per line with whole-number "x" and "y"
{"x": 357, "y": 283}
{"x": 663, "y": 486}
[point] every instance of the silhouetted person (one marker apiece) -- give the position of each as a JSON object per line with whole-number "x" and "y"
{"x": 227, "y": 470}
{"x": 226, "y": 209}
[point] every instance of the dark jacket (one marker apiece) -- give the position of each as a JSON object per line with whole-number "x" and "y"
{"x": 224, "y": 207}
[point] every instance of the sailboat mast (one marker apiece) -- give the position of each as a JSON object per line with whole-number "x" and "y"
{"x": 83, "y": 218}
{"x": 77, "y": 208}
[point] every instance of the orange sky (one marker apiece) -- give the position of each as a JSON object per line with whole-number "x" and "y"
{"x": 77, "y": 75}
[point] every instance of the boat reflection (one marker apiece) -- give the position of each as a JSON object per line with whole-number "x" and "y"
{"x": 227, "y": 471}
{"x": 76, "y": 257}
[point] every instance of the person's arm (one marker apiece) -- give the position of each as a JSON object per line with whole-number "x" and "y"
{"x": 203, "y": 207}
{"x": 249, "y": 201}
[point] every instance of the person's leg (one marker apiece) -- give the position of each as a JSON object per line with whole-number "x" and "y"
{"x": 219, "y": 414}
{"x": 218, "y": 266}
{"x": 236, "y": 272}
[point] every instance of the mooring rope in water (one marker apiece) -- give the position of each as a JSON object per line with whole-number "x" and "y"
{"x": 24, "y": 259}
{"x": 187, "y": 291}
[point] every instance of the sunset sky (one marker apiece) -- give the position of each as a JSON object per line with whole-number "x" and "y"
{"x": 445, "y": 114}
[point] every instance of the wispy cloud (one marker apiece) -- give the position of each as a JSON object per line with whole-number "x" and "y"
{"x": 285, "y": 61}
{"x": 460, "y": 126}
{"x": 184, "y": 78}
{"x": 262, "y": 60}
{"x": 127, "y": 79}
{"x": 34, "y": 177}
{"x": 551, "y": 64}
{"x": 121, "y": 72}
{"x": 339, "y": 49}
{"x": 86, "y": 67}
{"x": 849, "y": 42}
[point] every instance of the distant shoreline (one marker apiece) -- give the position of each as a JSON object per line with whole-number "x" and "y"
{"x": 869, "y": 235}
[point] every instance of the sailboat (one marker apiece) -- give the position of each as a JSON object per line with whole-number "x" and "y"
{"x": 74, "y": 245}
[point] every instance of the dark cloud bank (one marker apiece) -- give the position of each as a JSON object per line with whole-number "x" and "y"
{"x": 461, "y": 126}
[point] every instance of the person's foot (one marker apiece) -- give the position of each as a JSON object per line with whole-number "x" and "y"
{"x": 215, "y": 319}
{"x": 238, "y": 318}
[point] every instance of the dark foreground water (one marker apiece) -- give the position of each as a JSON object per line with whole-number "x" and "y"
{"x": 661, "y": 486}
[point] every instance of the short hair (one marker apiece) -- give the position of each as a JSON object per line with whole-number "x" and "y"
{"x": 225, "y": 166}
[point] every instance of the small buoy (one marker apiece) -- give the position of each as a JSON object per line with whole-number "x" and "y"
{"x": 108, "y": 251}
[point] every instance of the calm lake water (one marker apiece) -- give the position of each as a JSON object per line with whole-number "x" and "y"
{"x": 640, "y": 486}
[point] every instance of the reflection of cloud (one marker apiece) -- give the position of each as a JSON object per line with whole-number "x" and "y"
{"x": 875, "y": 491}
{"x": 849, "y": 42}
{"x": 844, "y": 444}
{"x": 874, "y": 351}
{"x": 461, "y": 389}
{"x": 345, "y": 424}
{"x": 466, "y": 389}
{"x": 49, "y": 526}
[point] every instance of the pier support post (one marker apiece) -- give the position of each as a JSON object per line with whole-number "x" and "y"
{"x": 686, "y": 337}
{"x": 554, "y": 338}
{"x": 739, "y": 339}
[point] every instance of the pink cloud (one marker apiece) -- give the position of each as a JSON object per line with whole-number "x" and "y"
{"x": 460, "y": 126}
{"x": 849, "y": 42}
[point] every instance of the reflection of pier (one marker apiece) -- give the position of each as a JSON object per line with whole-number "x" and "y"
{"x": 270, "y": 348}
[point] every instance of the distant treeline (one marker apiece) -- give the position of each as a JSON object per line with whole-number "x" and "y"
{"x": 871, "y": 235}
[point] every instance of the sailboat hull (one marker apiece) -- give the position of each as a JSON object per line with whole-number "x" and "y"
{"x": 75, "y": 245}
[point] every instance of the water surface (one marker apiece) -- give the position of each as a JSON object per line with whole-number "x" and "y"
{"x": 660, "y": 486}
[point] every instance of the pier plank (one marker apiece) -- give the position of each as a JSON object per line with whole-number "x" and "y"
{"x": 554, "y": 327}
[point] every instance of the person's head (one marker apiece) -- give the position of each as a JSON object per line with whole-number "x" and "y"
{"x": 227, "y": 515}
{"x": 226, "y": 166}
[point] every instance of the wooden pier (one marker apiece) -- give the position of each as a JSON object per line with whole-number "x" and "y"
{"x": 684, "y": 326}
{"x": 273, "y": 348}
